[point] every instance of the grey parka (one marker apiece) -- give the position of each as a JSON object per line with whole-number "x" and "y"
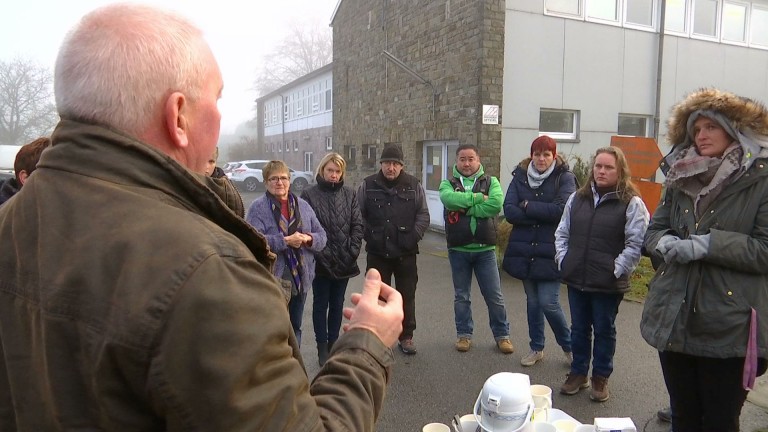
{"x": 703, "y": 308}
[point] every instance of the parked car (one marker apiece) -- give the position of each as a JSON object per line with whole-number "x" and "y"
{"x": 300, "y": 180}
{"x": 247, "y": 174}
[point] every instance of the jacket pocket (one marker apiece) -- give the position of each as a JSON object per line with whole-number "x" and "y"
{"x": 406, "y": 238}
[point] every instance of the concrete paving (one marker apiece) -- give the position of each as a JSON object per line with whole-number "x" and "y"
{"x": 439, "y": 382}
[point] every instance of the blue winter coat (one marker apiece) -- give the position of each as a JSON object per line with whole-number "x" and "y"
{"x": 530, "y": 252}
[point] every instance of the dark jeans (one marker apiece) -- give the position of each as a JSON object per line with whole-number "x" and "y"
{"x": 327, "y": 307}
{"x": 593, "y": 311}
{"x": 405, "y": 272}
{"x": 296, "y": 312}
{"x": 483, "y": 264}
{"x": 706, "y": 393}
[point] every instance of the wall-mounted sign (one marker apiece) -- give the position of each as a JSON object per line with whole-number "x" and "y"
{"x": 643, "y": 157}
{"x": 491, "y": 114}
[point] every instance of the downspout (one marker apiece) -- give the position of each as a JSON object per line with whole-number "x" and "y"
{"x": 659, "y": 64}
{"x": 282, "y": 121}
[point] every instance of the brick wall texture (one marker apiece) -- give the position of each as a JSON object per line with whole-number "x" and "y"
{"x": 457, "y": 45}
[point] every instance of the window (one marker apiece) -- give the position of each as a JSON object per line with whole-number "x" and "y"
{"x": 286, "y": 110}
{"x": 349, "y": 154}
{"x": 734, "y": 22}
{"x": 759, "y": 26}
{"x": 369, "y": 156}
{"x": 604, "y": 10}
{"x": 308, "y": 161}
{"x": 559, "y": 124}
{"x": 675, "y": 16}
{"x": 328, "y": 100}
{"x": 329, "y": 143}
{"x": 295, "y": 145}
{"x": 640, "y": 12}
{"x": 633, "y": 13}
{"x": 287, "y": 146}
{"x": 280, "y": 147}
{"x": 634, "y": 125}
{"x": 705, "y": 18}
{"x": 563, "y": 7}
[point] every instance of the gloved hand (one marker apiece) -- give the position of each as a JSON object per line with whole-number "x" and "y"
{"x": 664, "y": 242}
{"x": 685, "y": 251}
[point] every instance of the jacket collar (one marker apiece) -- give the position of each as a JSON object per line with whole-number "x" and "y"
{"x": 109, "y": 155}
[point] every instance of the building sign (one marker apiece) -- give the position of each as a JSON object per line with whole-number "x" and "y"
{"x": 643, "y": 157}
{"x": 491, "y": 114}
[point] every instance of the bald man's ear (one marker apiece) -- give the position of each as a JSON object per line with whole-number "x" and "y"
{"x": 175, "y": 120}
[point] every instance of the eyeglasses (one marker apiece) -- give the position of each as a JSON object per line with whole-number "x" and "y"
{"x": 283, "y": 179}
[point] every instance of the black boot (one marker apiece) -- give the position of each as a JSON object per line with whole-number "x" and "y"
{"x": 322, "y": 352}
{"x": 330, "y": 345}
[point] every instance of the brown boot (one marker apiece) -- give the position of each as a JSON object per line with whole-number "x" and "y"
{"x": 574, "y": 383}
{"x": 599, "y": 392}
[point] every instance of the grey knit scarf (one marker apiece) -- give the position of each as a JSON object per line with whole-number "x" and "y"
{"x": 702, "y": 177}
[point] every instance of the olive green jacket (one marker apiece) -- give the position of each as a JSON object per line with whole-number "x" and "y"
{"x": 133, "y": 299}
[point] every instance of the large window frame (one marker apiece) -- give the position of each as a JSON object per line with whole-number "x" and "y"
{"x": 681, "y": 18}
{"x": 753, "y": 26}
{"x": 647, "y": 124}
{"x": 570, "y": 131}
{"x": 589, "y": 10}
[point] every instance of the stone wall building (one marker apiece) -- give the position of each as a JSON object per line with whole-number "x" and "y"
{"x": 416, "y": 74}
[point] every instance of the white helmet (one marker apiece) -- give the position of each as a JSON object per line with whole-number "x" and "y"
{"x": 504, "y": 403}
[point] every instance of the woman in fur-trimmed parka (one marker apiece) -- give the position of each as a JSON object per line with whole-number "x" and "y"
{"x": 707, "y": 306}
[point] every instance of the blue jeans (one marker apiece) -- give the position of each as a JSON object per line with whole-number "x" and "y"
{"x": 296, "y": 312}
{"x": 487, "y": 274}
{"x": 327, "y": 307}
{"x": 591, "y": 310}
{"x": 543, "y": 300}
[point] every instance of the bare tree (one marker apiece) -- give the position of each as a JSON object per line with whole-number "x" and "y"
{"x": 27, "y": 110}
{"x": 304, "y": 49}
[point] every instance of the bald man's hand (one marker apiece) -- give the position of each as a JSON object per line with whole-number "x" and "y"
{"x": 379, "y": 308}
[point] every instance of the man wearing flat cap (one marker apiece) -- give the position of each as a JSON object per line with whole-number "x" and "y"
{"x": 396, "y": 217}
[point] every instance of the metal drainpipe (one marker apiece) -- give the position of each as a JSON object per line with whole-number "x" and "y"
{"x": 659, "y": 64}
{"x": 282, "y": 121}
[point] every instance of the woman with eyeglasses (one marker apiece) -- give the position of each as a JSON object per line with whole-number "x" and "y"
{"x": 293, "y": 233}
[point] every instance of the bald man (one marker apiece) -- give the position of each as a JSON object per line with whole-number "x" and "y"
{"x": 146, "y": 302}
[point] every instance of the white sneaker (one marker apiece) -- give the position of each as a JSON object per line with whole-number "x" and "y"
{"x": 531, "y": 358}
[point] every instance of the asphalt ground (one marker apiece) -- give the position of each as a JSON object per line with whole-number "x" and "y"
{"x": 439, "y": 381}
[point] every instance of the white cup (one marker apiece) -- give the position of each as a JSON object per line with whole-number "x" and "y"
{"x": 540, "y": 415}
{"x": 541, "y": 395}
{"x": 565, "y": 425}
{"x": 468, "y": 423}
{"x": 544, "y": 427}
{"x": 436, "y": 427}
{"x": 585, "y": 428}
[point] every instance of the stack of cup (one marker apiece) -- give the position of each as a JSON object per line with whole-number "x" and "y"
{"x": 542, "y": 402}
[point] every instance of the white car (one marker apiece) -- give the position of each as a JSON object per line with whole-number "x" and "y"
{"x": 247, "y": 174}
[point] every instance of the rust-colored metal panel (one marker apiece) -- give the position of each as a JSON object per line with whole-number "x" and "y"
{"x": 650, "y": 192}
{"x": 643, "y": 154}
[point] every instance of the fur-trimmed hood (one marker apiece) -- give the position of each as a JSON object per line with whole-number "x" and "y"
{"x": 745, "y": 114}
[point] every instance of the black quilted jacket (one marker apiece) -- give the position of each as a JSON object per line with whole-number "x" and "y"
{"x": 336, "y": 207}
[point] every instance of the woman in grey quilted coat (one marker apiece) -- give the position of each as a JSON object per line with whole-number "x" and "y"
{"x": 336, "y": 207}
